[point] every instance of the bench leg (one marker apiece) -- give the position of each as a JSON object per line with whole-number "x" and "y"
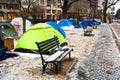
{"x": 59, "y": 65}
{"x": 56, "y": 67}
{"x": 44, "y": 66}
{"x": 70, "y": 54}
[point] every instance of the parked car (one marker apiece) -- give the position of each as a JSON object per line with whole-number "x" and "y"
{"x": 7, "y": 29}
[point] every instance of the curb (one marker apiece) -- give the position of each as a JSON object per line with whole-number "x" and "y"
{"x": 115, "y": 36}
{"x": 71, "y": 67}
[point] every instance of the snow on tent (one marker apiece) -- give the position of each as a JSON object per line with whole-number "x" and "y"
{"x": 54, "y": 25}
{"x": 65, "y": 24}
{"x": 38, "y": 32}
{"x": 75, "y": 23}
{"x": 18, "y": 25}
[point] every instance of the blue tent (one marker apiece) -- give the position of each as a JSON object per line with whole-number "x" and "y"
{"x": 75, "y": 23}
{"x": 93, "y": 22}
{"x": 86, "y": 23}
{"x": 65, "y": 23}
{"x": 55, "y": 26}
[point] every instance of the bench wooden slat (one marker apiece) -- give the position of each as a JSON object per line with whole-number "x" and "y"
{"x": 54, "y": 56}
{"x": 62, "y": 56}
{"x": 49, "y": 45}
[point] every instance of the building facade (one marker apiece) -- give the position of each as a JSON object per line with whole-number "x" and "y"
{"x": 52, "y": 9}
{"x": 49, "y": 9}
{"x": 46, "y": 9}
{"x": 8, "y": 9}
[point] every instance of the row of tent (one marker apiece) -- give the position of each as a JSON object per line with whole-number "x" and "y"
{"x": 40, "y": 32}
{"x": 43, "y": 31}
{"x": 65, "y": 24}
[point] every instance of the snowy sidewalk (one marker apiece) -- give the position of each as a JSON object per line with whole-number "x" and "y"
{"x": 103, "y": 61}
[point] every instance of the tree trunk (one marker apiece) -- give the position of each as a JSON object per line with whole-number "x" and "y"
{"x": 104, "y": 14}
{"x": 94, "y": 12}
{"x": 65, "y": 8}
{"x": 24, "y": 25}
{"x": 64, "y": 13}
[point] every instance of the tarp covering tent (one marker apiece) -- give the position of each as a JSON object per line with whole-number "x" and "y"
{"x": 7, "y": 29}
{"x": 86, "y": 23}
{"x": 18, "y": 24}
{"x": 54, "y": 25}
{"x": 75, "y": 23}
{"x": 38, "y": 32}
{"x": 65, "y": 24}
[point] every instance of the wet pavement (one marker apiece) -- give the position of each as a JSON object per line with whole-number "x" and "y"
{"x": 103, "y": 61}
{"x": 116, "y": 29}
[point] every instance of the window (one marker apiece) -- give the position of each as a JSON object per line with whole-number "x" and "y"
{"x": 53, "y": 11}
{"x": 49, "y": 17}
{"x": 48, "y": 3}
{"x": 48, "y": 11}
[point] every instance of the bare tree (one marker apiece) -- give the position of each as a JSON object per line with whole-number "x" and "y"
{"x": 78, "y": 9}
{"x": 66, "y": 5}
{"x": 25, "y": 6}
{"x": 107, "y": 4}
{"x": 93, "y": 7}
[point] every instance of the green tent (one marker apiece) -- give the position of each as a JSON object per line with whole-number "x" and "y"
{"x": 38, "y": 32}
{"x": 7, "y": 29}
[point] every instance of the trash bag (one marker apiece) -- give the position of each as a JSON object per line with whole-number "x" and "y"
{"x": 1, "y": 41}
{"x": 3, "y": 54}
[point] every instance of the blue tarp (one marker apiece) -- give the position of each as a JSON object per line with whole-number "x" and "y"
{"x": 86, "y": 23}
{"x": 55, "y": 26}
{"x": 75, "y": 23}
